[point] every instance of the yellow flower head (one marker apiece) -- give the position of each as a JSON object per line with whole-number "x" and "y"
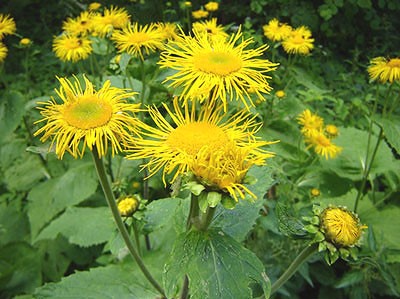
{"x": 137, "y": 40}
{"x": 168, "y": 30}
{"x": 25, "y": 42}
{"x": 81, "y": 25}
{"x": 128, "y": 205}
{"x": 276, "y": 31}
{"x": 323, "y": 146}
{"x": 3, "y": 52}
{"x": 214, "y": 148}
{"x": 315, "y": 192}
{"x": 211, "y": 28}
{"x": 94, "y": 6}
{"x": 299, "y": 41}
{"x": 211, "y": 6}
{"x": 87, "y": 118}
{"x": 7, "y": 25}
{"x": 332, "y": 131}
{"x": 216, "y": 68}
{"x": 311, "y": 123}
{"x": 188, "y": 4}
{"x": 341, "y": 227}
{"x": 280, "y": 94}
{"x": 384, "y": 69}
{"x": 112, "y": 18}
{"x": 72, "y": 48}
{"x": 199, "y": 14}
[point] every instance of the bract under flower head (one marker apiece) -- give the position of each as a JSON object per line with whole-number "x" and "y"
{"x": 217, "y": 69}
{"x": 384, "y": 70}
{"x": 204, "y": 143}
{"x": 88, "y": 118}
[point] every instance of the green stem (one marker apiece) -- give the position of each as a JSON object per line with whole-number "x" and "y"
{"x": 193, "y": 211}
{"x": 105, "y": 184}
{"x": 185, "y": 288}
{"x": 206, "y": 218}
{"x": 136, "y": 234}
{"x": 302, "y": 257}
{"x": 368, "y": 170}
{"x": 386, "y": 100}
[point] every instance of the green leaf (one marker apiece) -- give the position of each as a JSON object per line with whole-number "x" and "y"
{"x": 81, "y": 226}
{"x": 350, "y": 278}
{"x": 12, "y": 108}
{"x": 20, "y": 269}
{"x": 217, "y": 267}
{"x": 115, "y": 281}
{"x": 391, "y": 129}
{"x": 14, "y": 225}
{"x": 48, "y": 199}
{"x": 351, "y": 161}
{"x": 288, "y": 224}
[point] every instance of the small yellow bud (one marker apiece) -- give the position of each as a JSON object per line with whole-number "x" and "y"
{"x": 211, "y": 6}
{"x": 127, "y": 206}
{"x": 332, "y": 131}
{"x": 25, "y": 42}
{"x": 280, "y": 94}
{"x": 315, "y": 192}
{"x": 94, "y": 6}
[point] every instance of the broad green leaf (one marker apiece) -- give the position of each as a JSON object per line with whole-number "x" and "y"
{"x": 81, "y": 226}
{"x": 14, "y": 225}
{"x": 351, "y": 161}
{"x": 48, "y": 199}
{"x": 12, "y": 108}
{"x": 238, "y": 221}
{"x": 217, "y": 266}
{"x": 391, "y": 129}
{"x": 20, "y": 269}
{"x": 288, "y": 224}
{"x": 114, "y": 281}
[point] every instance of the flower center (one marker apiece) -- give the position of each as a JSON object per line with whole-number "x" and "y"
{"x": 341, "y": 226}
{"x": 138, "y": 38}
{"x": 218, "y": 63}
{"x": 73, "y": 43}
{"x": 192, "y": 137}
{"x": 298, "y": 39}
{"x": 323, "y": 141}
{"x": 394, "y": 63}
{"x": 88, "y": 113}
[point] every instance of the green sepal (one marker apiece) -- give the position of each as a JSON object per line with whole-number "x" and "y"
{"x": 331, "y": 258}
{"x": 353, "y": 252}
{"x": 321, "y": 246}
{"x": 315, "y": 220}
{"x": 203, "y": 203}
{"x": 344, "y": 253}
{"x": 228, "y": 202}
{"x": 213, "y": 198}
{"x": 311, "y": 229}
{"x": 195, "y": 187}
{"x": 319, "y": 237}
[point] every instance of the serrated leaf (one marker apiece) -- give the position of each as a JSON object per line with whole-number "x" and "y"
{"x": 51, "y": 197}
{"x": 290, "y": 225}
{"x": 11, "y": 112}
{"x": 217, "y": 266}
{"x": 391, "y": 129}
{"x": 114, "y": 281}
{"x": 351, "y": 161}
{"x": 81, "y": 226}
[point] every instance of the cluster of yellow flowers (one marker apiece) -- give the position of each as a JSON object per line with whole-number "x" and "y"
{"x": 7, "y": 26}
{"x": 294, "y": 40}
{"x": 318, "y": 135}
{"x": 201, "y": 13}
{"x": 211, "y": 68}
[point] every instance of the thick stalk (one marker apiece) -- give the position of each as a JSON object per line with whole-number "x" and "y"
{"x": 368, "y": 170}
{"x": 105, "y": 184}
{"x": 302, "y": 257}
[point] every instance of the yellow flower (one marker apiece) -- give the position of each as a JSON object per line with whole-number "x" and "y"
{"x": 299, "y": 41}
{"x": 199, "y": 14}
{"x": 3, "y": 52}
{"x": 168, "y": 30}
{"x": 276, "y": 31}
{"x": 211, "y": 28}
{"x": 323, "y": 146}
{"x": 188, "y": 4}
{"x": 340, "y": 226}
{"x": 25, "y": 42}
{"x": 128, "y": 205}
{"x": 94, "y": 6}
{"x": 87, "y": 118}
{"x": 217, "y": 68}
{"x": 211, "y": 6}
{"x": 81, "y": 25}
{"x": 7, "y": 25}
{"x": 137, "y": 40}
{"x": 205, "y": 143}
{"x": 312, "y": 123}
{"x": 72, "y": 48}
{"x": 280, "y": 94}
{"x": 112, "y": 18}
{"x": 315, "y": 192}
{"x": 332, "y": 131}
{"x": 384, "y": 69}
